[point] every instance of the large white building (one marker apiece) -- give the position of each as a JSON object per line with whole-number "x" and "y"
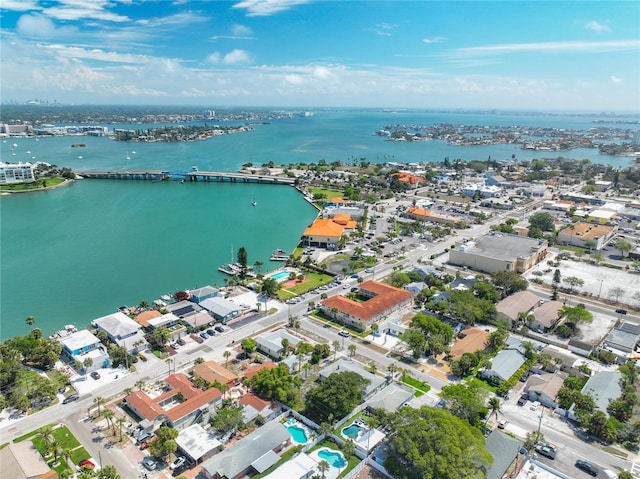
{"x": 16, "y": 173}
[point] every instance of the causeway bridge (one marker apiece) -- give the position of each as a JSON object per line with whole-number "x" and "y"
{"x": 192, "y": 175}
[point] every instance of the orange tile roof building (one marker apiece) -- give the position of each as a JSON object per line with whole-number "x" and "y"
{"x": 416, "y": 213}
{"x": 325, "y": 233}
{"x": 380, "y": 300}
{"x": 182, "y": 405}
{"x": 413, "y": 180}
{"x": 211, "y": 372}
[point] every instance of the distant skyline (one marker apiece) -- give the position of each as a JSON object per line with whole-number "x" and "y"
{"x": 534, "y": 55}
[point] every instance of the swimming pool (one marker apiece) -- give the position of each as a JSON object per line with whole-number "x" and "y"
{"x": 334, "y": 458}
{"x": 280, "y": 275}
{"x": 352, "y": 431}
{"x": 298, "y": 434}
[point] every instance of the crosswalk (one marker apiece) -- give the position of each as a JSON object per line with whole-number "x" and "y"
{"x": 635, "y": 470}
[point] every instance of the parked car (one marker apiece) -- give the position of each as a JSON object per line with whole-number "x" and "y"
{"x": 621, "y": 311}
{"x": 181, "y": 342}
{"x": 219, "y": 328}
{"x": 502, "y": 424}
{"x": 546, "y": 451}
{"x": 95, "y": 375}
{"x": 70, "y": 398}
{"x": 143, "y": 436}
{"x": 587, "y": 467}
{"x": 86, "y": 463}
{"x": 210, "y": 332}
{"x": 344, "y": 334}
{"x": 149, "y": 463}
{"x": 203, "y": 335}
{"x": 177, "y": 463}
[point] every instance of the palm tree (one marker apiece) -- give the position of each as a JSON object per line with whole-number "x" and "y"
{"x": 227, "y": 355}
{"x": 392, "y": 368}
{"x": 46, "y": 434}
{"x": 30, "y": 321}
{"x": 87, "y": 363}
{"x": 375, "y": 327}
{"x": 352, "y": 350}
{"x": 98, "y": 401}
{"x": 108, "y": 414}
{"x": 285, "y": 346}
{"x": 494, "y": 408}
{"x": 140, "y": 384}
{"x": 120, "y": 421}
{"x": 307, "y": 367}
{"x": 323, "y": 466}
{"x": 144, "y": 304}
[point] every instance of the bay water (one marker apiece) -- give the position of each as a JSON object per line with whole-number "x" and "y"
{"x": 76, "y": 253}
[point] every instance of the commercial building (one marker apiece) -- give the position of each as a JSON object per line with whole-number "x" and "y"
{"x": 326, "y": 233}
{"x": 587, "y": 235}
{"x": 499, "y": 252}
{"x": 11, "y": 173}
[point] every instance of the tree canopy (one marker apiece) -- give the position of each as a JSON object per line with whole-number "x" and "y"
{"x": 509, "y": 282}
{"x": 542, "y": 221}
{"x": 465, "y": 400}
{"x": 337, "y": 395}
{"x": 430, "y": 443}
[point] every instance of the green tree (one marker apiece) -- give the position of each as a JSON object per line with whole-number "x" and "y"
{"x": 543, "y": 221}
{"x": 465, "y": 400}
{"x": 276, "y": 384}
{"x": 270, "y": 287}
{"x": 573, "y": 282}
{"x": 248, "y": 345}
{"x": 494, "y": 407}
{"x": 432, "y": 443}
{"x": 575, "y": 314}
{"x": 337, "y": 395}
{"x": 164, "y": 444}
{"x": 228, "y": 417}
{"x": 416, "y": 340}
{"x": 30, "y": 321}
{"x": 227, "y": 355}
{"x": 623, "y": 246}
{"x": 108, "y": 472}
{"x": 161, "y": 335}
{"x": 323, "y": 467}
{"x": 243, "y": 261}
{"x": 509, "y": 282}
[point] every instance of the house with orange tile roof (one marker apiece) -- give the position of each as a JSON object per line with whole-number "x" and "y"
{"x": 143, "y": 318}
{"x": 256, "y": 368}
{"x": 406, "y": 177}
{"x": 253, "y": 406}
{"x": 211, "y": 372}
{"x": 475, "y": 339}
{"x": 326, "y": 232}
{"x": 181, "y": 405}
{"x": 376, "y": 300}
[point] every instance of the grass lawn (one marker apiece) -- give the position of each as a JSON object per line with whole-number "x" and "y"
{"x": 329, "y": 193}
{"x": 284, "y": 458}
{"x": 413, "y": 382}
{"x": 482, "y": 384}
{"x": 35, "y": 185}
{"x": 67, "y": 441}
{"x": 314, "y": 280}
{"x": 352, "y": 462}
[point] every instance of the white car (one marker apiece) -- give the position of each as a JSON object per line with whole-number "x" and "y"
{"x": 177, "y": 463}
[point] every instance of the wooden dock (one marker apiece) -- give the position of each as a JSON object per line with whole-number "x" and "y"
{"x": 186, "y": 176}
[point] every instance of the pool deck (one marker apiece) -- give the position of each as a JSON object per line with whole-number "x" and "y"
{"x": 333, "y": 472}
{"x": 294, "y": 422}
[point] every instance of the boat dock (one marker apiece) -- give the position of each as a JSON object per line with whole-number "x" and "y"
{"x": 185, "y": 176}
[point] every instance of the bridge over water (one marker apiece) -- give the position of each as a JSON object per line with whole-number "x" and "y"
{"x": 185, "y": 175}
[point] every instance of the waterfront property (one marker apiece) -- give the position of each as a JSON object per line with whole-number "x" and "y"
{"x": 221, "y": 309}
{"x": 79, "y": 346}
{"x": 326, "y": 233}
{"x": 122, "y": 330}
{"x": 499, "y": 252}
{"x": 11, "y": 173}
{"x": 379, "y": 300}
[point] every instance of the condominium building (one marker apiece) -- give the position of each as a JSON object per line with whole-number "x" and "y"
{"x": 16, "y": 173}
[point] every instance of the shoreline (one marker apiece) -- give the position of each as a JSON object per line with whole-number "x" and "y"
{"x": 66, "y": 182}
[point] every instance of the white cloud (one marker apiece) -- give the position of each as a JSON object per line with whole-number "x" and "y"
{"x": 434, "y": 40}
{"x": 383, "y": 29}
{"x": 550, "y": 47}
{"x": 263, "y": 8}
{"x": 214, "y": 58}
{"x": 242, "y": 31}
{"x": 20, "y": 5}
{"x": 235, "y": 57}
{"x": 177, "y": 20}
{"x": 35, "y": 25}
{"x": 84, "y": 10}
{"x": 597, "y": 27}
{"x": 62, "y": 51}
{"x": 615, "y": 79}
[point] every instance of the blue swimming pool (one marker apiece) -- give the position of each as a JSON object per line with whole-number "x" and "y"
{"x": 298, "y": 434}
{"x": 334, "y": 458}
{"x": 352, "y": 431}
{"x": 280, "y": 275}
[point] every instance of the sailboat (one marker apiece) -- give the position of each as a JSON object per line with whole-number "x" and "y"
{"x": 128, "y": 157}
{"x": 254, "y": 202}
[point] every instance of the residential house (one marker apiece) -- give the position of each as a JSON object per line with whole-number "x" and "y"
{"x": 255, "y": 453}
{"x": 301, "y": 466}
{"x": 198, "y": 444}
{"x": 200, "y": 294}
{"x": 587, "y": 235}
{"x": 253, "y": 406}
{"x": 415, "y": 287}
{"x": 122, "y": 330}
{"x": 546, "y": 317}
{"x": 143, "y": 318}
{"x": 21, "y": 460}
{"x": 580, "y": 347}
{"x": 472, "y": 340}
{"x": 213, "y": 372}
{"x": 622, "y": 341}
{"x": 79, "y": 346}
{"x": 504, "y": 450}
{"x": 603, "y": 387}
{"x": 544, "y": 388}
{"x": 426, "y": 270}
{"x": 271, "y": 343}
{"x": 499, "y": 252}
{"x": 392, "y": 397}
{"x": 377, "y": 301}
{"x": 503, "y": 365}
{"x": 180, "y": 406}
{"x": 511, "y": 306}
{"x": 221, "y": 309}
{"x": 171, "y": 323}
{"x": 256, "y": 368}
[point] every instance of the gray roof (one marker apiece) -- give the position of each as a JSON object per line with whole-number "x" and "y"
{"x": 196, "y": 442}
{"x": 506, "y": 363}
{"x": 273, "y": 339}
{"x": 204, "y": 291}
{"x": 520, "y": 302}
{"x": 220, "y": 306}
{"x": 244, "y": 453}
{"x": 504, "y": 449}
{"x": 547, "y": 314}
{"x": 603, "y": 387}
{"x": 346, "y": 365}
{"x": 505, "y": 247}
{"x": 391, "y": 397}
{"x": 621, "y": 339}
{"x": 117, "y": 325}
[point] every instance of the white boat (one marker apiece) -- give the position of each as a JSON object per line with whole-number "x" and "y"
{"x": 68, "y": 330}
{"x": 128, "y": 157}
{"x": 254, "y": 202}
{"x": 279, "y": 255}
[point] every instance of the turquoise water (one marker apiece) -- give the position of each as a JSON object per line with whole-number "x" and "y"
{"x": 352, "y": 431}
{"x": 298, "y": 434}
{"x": 335, "y": 459}
{"x": 280, "y": 275}
{"x": 77, "y": 253}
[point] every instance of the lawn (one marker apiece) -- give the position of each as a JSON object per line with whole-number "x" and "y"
{"x": 67, "y": 441}
{"x": 352, "y": 462}
{"x": 314, "y": 280}
{"x": 413, "y": 382}
{"x": 35, "y": 185}
{"x": 283, "y": 458}
{"x": 325, "y": 191}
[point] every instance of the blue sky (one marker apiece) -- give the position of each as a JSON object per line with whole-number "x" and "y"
{"x": 543, "y": 55}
